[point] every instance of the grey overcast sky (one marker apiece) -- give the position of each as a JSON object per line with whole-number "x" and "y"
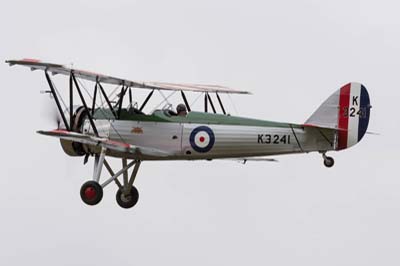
{"x": 291, "y": 54}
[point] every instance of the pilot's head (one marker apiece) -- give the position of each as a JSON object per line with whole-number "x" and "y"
{"x": 181, "y": 109}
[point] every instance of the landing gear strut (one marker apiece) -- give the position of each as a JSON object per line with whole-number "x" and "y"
{"x": 127, "y": 195}
{"x": 328, "y": 161}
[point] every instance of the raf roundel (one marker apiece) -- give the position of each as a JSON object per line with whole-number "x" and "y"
{"x": 202, "y": 139}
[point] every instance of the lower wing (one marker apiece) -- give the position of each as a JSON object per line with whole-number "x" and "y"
{"x": 104, "y": 142}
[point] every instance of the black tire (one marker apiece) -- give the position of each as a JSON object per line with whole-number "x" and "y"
{"x": 91, "y": 193}
{"x": 128, "y": 201}
{"x": 329, "y": 162}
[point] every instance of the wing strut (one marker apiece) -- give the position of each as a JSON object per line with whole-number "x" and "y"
{"x": 94, "y": 99}
{"x": 121, "y": 99}
{"x": 205, "y": 103}
{"x": 53, "y": 91}
{"x": 220, "y": 103}
{"x": 107, "y": 100}
{"x": 71, "y": 103}
{"x": 130, "y": 97}
{"x": 85, "y": 105}
{"x": 186, "y": 102}
{"x": 211, "y": 103}
{"x": 146, "y": 100}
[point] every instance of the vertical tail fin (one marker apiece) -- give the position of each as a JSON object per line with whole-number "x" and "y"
{"x": 347, "y": 111}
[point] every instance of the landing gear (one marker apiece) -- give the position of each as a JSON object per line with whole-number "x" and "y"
{"x": 91, "y": 193}
{"x": 127, "y": 195}
{"x": 129, "y": 199}
{"x": 328, "y": 161}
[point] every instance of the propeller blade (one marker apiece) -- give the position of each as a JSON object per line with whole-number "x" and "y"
{"x": 86, "y": 159}
{"x": 49, "y": 113}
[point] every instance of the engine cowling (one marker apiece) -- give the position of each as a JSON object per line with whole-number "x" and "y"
{"x": 72, "y": 148}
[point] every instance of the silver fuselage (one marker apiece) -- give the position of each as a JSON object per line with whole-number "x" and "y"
{"x": 230, "y": 141}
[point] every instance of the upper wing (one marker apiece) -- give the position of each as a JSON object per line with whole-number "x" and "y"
{"x": 60, "y": 69}
{"x": 106, "y": 143}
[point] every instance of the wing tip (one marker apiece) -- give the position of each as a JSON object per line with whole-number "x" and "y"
{"x": 10, "y": 62}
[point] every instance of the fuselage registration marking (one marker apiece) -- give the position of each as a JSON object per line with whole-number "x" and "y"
{"x": 273, "y": 139}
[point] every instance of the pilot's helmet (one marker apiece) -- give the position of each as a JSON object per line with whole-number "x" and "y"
{"x": 181, "y": 108}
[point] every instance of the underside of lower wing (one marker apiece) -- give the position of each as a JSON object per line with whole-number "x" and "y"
{"x": 244, "y": 160}
{"x": 111, "y": 145}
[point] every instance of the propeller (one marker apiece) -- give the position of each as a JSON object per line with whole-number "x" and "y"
{"x": 50, "y": 113}
{"x": 86, "y": 159}
{"x": 52, "y": 117}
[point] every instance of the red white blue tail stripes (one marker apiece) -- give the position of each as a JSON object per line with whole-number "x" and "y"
{"x": 353, "y": 117}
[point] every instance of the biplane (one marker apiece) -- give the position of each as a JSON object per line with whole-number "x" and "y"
{"x": 120, "y": 129}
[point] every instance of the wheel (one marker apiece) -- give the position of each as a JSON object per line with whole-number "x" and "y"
{"x": 91, "y": 193}
{"x": 329, "y": 162}
{"x": 127, "y": 201}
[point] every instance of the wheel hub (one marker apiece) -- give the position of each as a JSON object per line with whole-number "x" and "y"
{"x": 126, "y": 198}
{"x": 90, "y": 193}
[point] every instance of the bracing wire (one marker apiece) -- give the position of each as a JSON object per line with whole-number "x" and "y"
{"x": 197, "y": 98}
{"x": 165, "y": 99}
{"x": 59, "y": 96}
{"x": 233, "y": 104}
{"x": 101, "y": 110}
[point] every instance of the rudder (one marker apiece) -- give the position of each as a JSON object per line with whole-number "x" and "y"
{"x": 347, "y": 111}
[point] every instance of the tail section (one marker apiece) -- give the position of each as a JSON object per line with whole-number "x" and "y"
{"x": 347, "y": 111}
